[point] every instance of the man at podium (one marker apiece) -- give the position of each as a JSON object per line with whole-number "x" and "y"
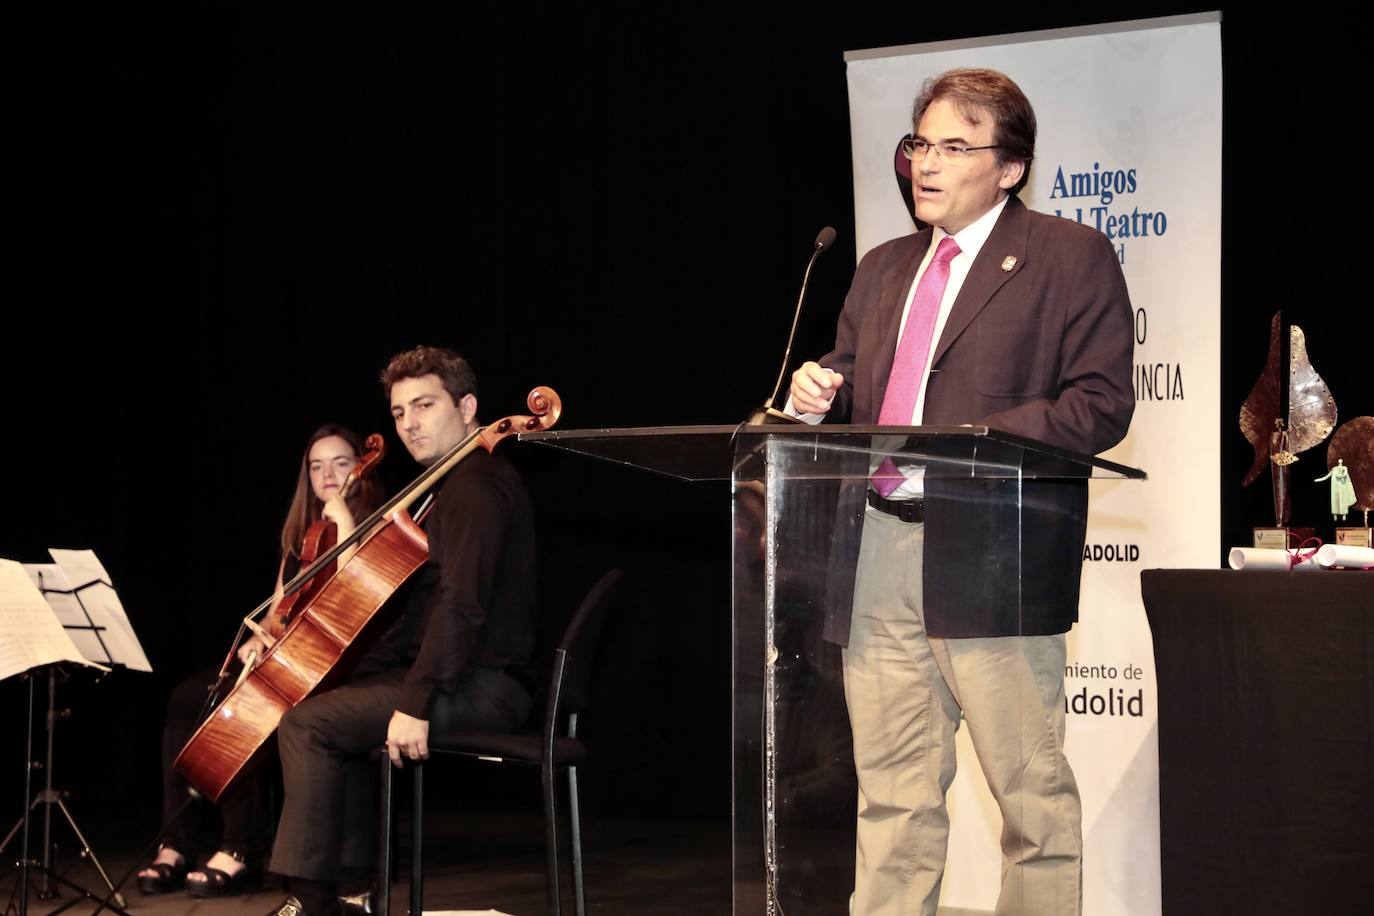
{"x": 991, "y": 315}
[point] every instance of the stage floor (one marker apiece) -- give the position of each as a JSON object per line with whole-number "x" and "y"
{"x": 478, "y": 862}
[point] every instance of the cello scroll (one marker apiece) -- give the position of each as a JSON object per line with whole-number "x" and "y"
{"x": 546, "y": 407}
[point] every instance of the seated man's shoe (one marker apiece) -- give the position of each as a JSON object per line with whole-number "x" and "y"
{"x": 289, "y": 907}
{"x": 357, "y": 904}
{"x": 166, "y": 878}
{"x": 293, "y": 906}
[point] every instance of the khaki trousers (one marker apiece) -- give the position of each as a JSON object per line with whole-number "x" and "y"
{"x": 906, "y": 695}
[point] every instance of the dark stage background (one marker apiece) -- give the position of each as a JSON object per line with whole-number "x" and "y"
{"x": 224, "y": 222}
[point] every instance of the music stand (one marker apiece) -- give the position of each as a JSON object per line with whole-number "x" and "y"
{"x": 76, "y": 618}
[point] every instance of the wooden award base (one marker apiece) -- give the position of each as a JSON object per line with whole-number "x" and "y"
{"x": 1354, "y": 537}
{"x": 1281, "y": 538}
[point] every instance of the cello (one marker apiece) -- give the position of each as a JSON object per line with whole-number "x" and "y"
{"x": 331, "y": 627}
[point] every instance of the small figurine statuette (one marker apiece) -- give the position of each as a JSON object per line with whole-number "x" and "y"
{"x": 1342, "y": 490}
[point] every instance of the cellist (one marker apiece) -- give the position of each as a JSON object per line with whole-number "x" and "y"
{"x": 458, "y": 657}
{"x": 331, "y": 453}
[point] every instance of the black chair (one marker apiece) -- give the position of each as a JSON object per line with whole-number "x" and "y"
{"x": 548, "y": 750}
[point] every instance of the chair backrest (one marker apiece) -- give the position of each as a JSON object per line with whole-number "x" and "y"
{"x": 572, "y": 664}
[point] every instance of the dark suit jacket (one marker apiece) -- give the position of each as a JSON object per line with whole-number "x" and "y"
{"x": 1042, "y": 350}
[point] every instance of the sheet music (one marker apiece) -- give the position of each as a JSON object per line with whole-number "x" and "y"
{"x": 87, "y": 575}
{"x": 30, "y": 634}
{"x": 51, "y": 581}
{"x": 81, "y": 566}
{"x": 50, "y": 577}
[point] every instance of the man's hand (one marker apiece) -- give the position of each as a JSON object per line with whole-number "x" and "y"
{"x": 408, "y": 737}
{"x": 814, "y": 387}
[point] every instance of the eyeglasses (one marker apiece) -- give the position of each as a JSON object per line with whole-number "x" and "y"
{"x": 915, "y": 148}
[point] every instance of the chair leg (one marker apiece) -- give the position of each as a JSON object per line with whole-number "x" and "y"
{"x": 551, "y": 835}
{"x": 417, "y": 867}
{"x": 575, "y": 818}
{"x": 381, "y": 894}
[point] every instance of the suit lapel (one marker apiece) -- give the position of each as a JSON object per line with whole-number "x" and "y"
{"x": 986, "y": 276}
{"x": 891, "y": 300}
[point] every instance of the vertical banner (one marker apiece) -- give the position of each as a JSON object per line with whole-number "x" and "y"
{"x": 1129, "y": 143}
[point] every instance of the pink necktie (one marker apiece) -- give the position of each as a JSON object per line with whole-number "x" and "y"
{"x": 909, "y": 365}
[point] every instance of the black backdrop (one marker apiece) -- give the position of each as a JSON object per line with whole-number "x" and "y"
{"x": 224, "y": 221}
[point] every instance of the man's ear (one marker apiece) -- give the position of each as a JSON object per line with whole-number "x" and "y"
{"x": 1011, "y": 174}
{"x": 467, "y": 404}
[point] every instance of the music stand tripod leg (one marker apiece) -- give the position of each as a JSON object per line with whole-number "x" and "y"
{"x": 191, "y": 795}
{"x": 85, "y": 896}
{"x": 88, "y": 853}
{"x": 22, "y": 881}
{"x": 22, "y": 865}
{"x": 18, "y": 824}
{"x": 49, "y": 797}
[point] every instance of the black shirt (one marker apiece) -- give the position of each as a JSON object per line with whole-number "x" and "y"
{"x": 473, "y": 601}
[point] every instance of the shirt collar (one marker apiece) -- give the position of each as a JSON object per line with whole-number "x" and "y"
{"x": 972, "y": 236}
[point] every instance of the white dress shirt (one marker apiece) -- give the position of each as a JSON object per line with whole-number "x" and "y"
{"x": 971, "y": 240}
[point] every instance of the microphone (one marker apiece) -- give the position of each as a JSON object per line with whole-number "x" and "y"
{"x": 768, "y": 414}
{"x": 824, "y": 239}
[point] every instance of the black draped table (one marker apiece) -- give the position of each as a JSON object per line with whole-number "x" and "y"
{"x": 1266, "y": 739}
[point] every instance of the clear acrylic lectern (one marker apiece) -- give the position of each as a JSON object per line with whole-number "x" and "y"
{"x": 993, "y": 504}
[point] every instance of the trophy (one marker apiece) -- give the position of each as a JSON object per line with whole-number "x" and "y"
{"x": 1350, "y": 463}
{"x": 1278, "y": 441}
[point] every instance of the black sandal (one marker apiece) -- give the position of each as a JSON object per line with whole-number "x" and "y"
{"x": 219, "y": 883}
{"x": 169, "y": 878}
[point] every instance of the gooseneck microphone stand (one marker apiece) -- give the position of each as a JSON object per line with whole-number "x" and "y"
{"x": 768, "y": 414}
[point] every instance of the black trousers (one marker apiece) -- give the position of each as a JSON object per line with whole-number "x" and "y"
{"x": 329, "y": 816}
{"x": 242, "y": 810}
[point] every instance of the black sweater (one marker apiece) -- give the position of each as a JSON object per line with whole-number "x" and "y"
{"x": 472, "y": 603}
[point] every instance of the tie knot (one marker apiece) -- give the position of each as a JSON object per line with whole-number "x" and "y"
{"x": 946, "y": 250}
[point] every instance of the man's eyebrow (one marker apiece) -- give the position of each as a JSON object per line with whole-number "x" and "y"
{"x": 416, "y": 399}
{"x": 945, "y": 140}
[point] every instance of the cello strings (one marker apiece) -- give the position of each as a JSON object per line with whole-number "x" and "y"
{"x": 367, "y": 524}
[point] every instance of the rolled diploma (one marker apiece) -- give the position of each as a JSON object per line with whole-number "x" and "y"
{"x": 1267, "y": 558}
{"x": 1345, "y": 556}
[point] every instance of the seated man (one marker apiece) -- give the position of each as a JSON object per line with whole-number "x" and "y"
{"x": 458, "y": 657}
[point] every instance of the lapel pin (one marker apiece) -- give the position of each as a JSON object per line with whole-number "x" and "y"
{"x": 1008, "y": 263}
